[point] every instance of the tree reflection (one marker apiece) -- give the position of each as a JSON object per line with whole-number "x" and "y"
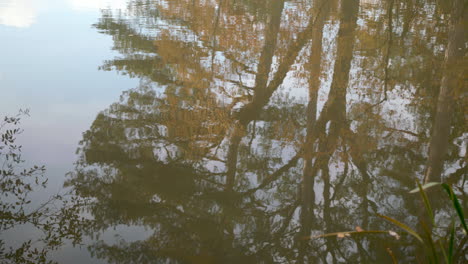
{"x": 213, "y": 155}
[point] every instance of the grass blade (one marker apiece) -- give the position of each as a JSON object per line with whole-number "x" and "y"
{"x": 402, "y": 226}
{"x": 425, "y": 186}
{"x": 456, "y": 205}
{"x": 390, "y": 252}
{"x": 348, "y": 233}
{"x": 426, "y": 203}
{"x": 428, "y": 233}
{"x": 447, "y": 260}
{"x": 451, "y": 244}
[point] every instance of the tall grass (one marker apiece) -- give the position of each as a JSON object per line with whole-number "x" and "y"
{"x": 436, "y": 248}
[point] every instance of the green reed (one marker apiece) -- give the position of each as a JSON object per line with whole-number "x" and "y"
{"x": 436, "y": 248}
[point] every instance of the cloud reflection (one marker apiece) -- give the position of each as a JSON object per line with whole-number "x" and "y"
{"x": 87, "y": 5}
{"x": 18, "y": 13}
{"x": 24, "y": 13}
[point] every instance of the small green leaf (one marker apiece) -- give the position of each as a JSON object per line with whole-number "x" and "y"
{"x": 425, "y": 186}
{"x": 402, "y": 226}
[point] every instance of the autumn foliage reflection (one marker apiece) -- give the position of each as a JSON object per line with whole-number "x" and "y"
{"x": 260, "y": 123}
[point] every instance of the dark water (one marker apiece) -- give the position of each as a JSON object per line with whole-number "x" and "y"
{"x": 238, "y": 131}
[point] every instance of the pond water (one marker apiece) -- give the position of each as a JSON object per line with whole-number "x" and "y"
{"x": 232, "y": 131}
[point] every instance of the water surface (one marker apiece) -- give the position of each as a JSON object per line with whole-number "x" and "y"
{"x": 238, "y": 131}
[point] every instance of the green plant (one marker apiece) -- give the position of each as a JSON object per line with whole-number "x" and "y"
{"x": 58, "y": 219}
{"x": 444, "y": 245}
{"x": 436, "y": 248}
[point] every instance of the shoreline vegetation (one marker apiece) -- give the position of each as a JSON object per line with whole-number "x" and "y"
{"x": 51, "y": 223}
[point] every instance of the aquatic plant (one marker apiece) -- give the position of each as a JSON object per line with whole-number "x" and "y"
{"x": 446, "y": 247}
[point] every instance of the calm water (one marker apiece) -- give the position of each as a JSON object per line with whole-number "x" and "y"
{"x": 238, "y": 131}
